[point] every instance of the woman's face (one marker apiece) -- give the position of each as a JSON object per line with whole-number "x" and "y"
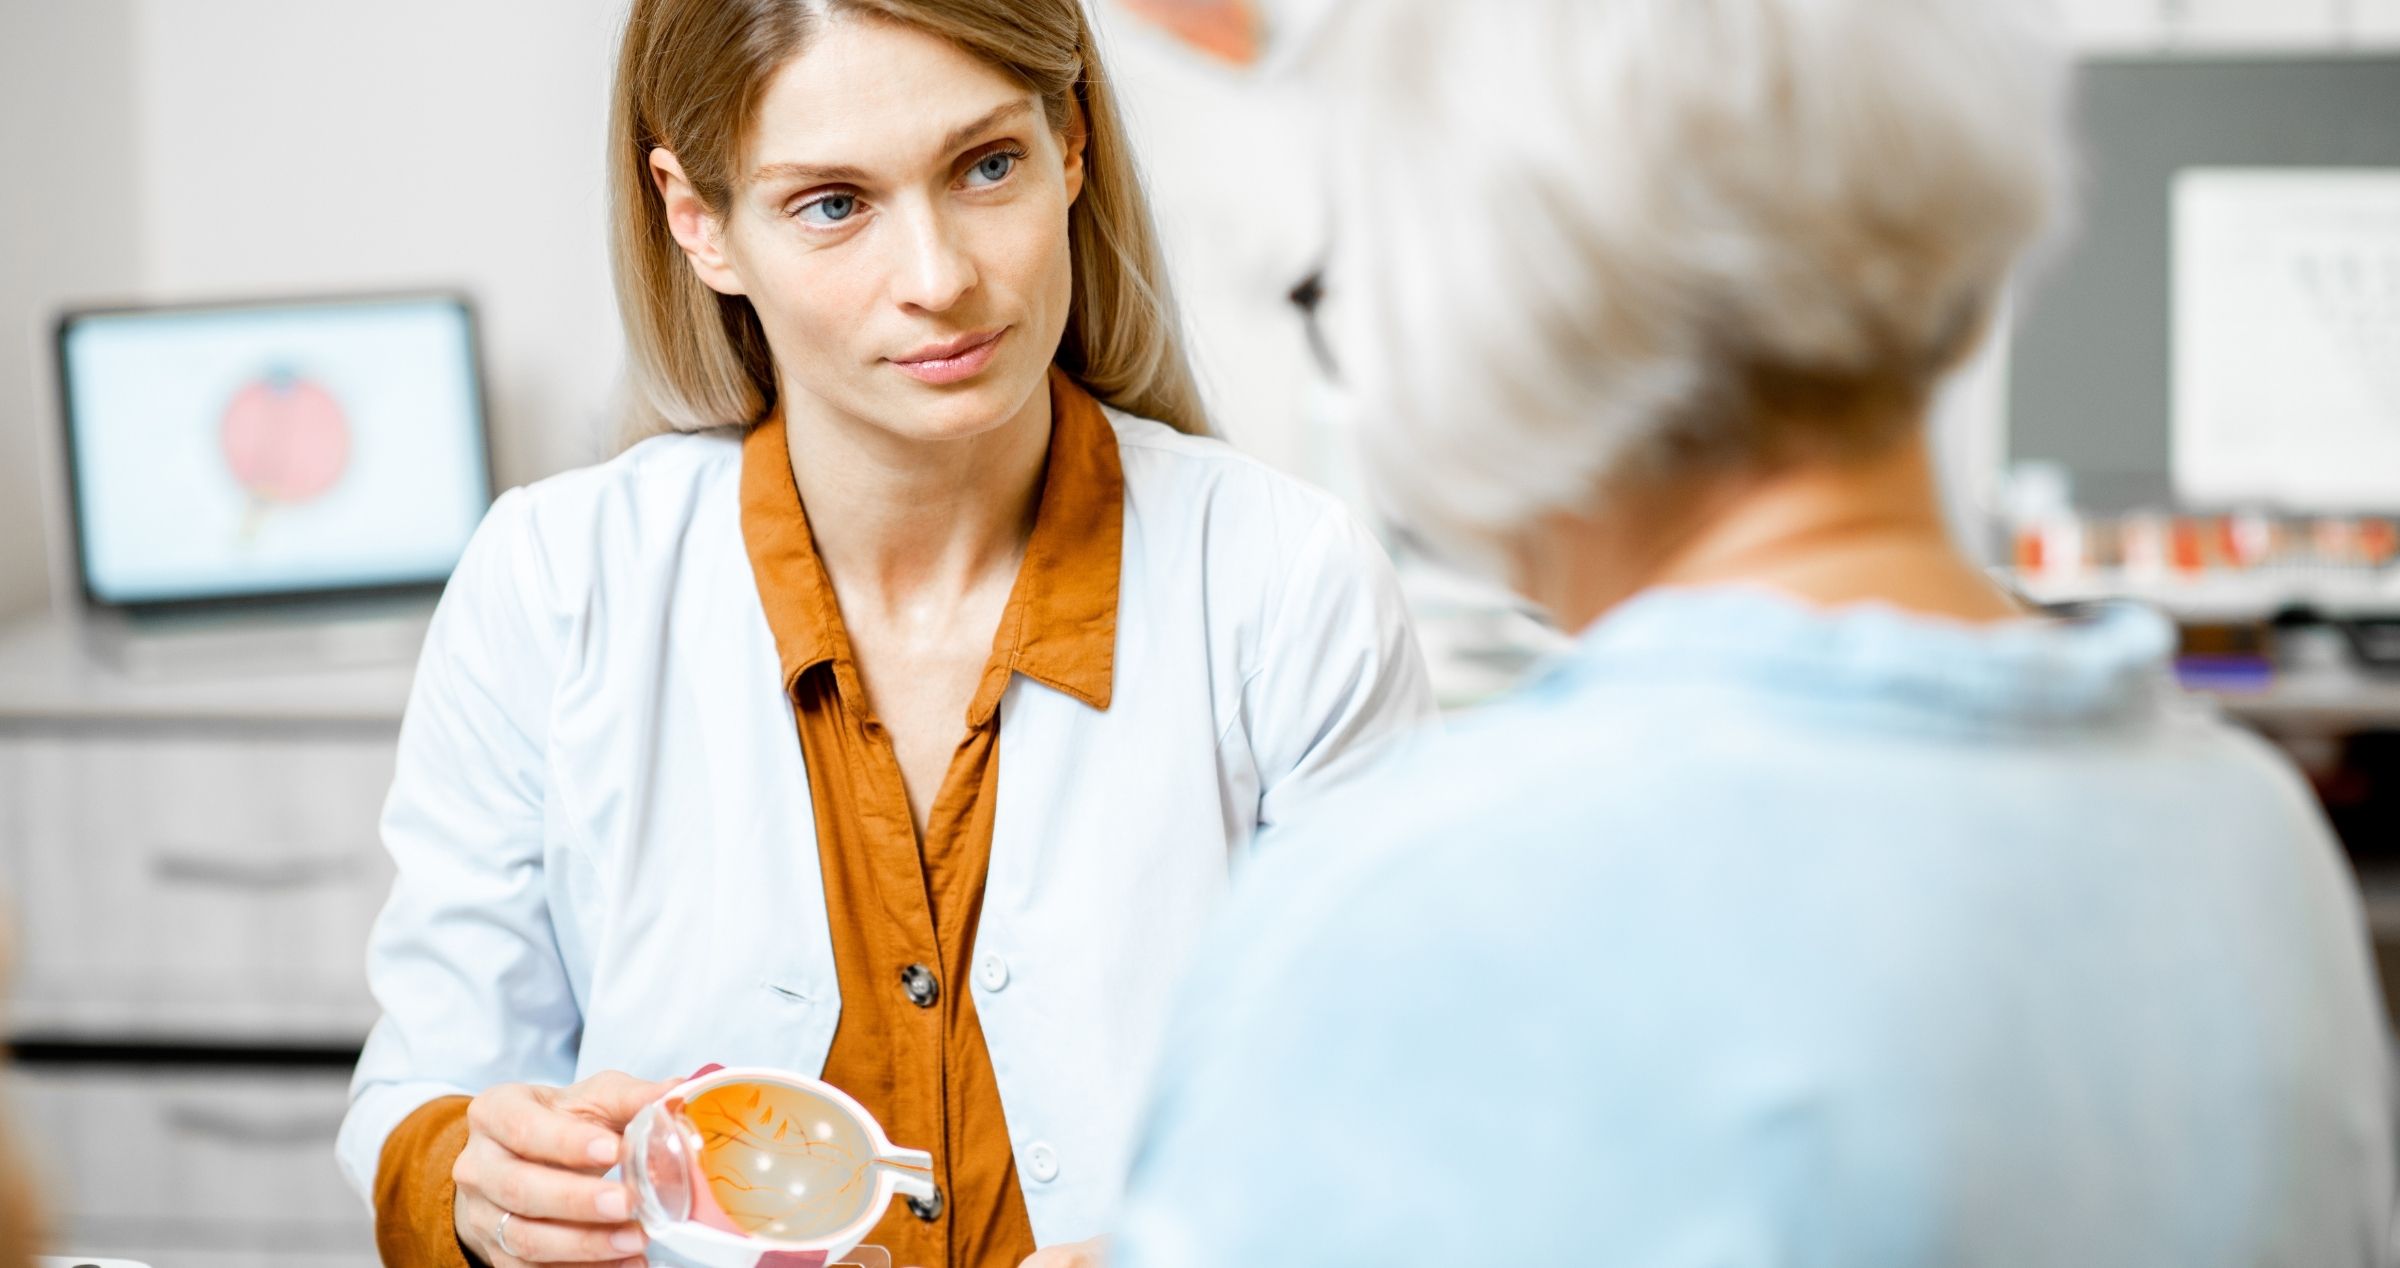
{"x": 901, "y": 230}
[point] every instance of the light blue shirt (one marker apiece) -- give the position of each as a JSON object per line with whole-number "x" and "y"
{"x": 1758, "y": 935}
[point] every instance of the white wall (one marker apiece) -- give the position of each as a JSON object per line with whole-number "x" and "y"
{"x": 1231, "y": 161}
{"x": 193, "y": 150}
{"x": 2377, "y": 21}
{"x": 294, "y": 147}
{"x": 2112, "y": 25}
{"x": 265, "y": 147}
{"x": 69, "y": 211}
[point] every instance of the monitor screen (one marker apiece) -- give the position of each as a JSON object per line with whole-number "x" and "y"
{"x": 221, "y": 453}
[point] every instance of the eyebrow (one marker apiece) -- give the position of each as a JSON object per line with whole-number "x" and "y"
{"x": 831, "y": 173}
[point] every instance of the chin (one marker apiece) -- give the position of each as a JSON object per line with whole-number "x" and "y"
{"x": 983, "y": 404}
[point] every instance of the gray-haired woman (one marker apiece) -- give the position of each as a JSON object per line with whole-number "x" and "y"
{"x": 1822, "y": 907}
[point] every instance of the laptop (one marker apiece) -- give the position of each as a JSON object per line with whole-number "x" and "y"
{"x": 280, "y": 483}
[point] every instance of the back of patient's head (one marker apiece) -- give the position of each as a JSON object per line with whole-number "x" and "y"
{"x": 1585, "y": 242}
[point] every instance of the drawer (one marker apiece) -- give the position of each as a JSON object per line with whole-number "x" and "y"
{"x": 216, "y": 883}
{"x": 172, "y": 1166}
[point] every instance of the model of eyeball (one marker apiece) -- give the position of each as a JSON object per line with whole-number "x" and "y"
{"x": 782, "y": 1162}
{"x": 734, "y": 1164}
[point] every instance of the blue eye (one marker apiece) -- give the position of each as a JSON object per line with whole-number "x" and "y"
{"x": 829, "y": 210}
{"x": 992, "y": 168}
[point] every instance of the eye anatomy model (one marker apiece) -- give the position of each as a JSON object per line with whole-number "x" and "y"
{"x": 779, "y": 1161}
{"x": 751, "y": 1167}
{"x": 286, "y": 441}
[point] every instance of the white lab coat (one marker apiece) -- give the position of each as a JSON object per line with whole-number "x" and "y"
{"x": 601, "y": 820}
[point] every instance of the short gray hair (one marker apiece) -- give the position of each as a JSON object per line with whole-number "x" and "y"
{"x": 1583, "y": 241}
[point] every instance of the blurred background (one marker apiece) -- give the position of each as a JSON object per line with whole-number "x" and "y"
{"x": 363, "y": 245}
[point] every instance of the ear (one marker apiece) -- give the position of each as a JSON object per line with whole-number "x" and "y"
{"x": 1078, "y": 137}
{"x": 697, "y": 230}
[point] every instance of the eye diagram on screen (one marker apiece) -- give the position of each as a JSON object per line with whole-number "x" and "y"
{"x": 286, "y": 440}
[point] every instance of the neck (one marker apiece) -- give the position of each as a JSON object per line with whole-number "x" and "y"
{"x": 1827, "y": 534}
{"x": 896, "y": 517}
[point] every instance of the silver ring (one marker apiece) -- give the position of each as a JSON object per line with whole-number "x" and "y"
{"x": 500, "y": 1235}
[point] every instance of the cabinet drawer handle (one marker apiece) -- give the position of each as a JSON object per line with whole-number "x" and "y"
{"x": 183, "y": 867}
{"x": 217, "y": 1125}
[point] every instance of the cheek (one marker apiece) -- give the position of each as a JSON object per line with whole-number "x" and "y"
{"x": 812, "y": 303}
{"x": 1025, "y": 257}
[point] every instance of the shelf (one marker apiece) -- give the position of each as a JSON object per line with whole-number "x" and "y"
{"x": 2316, "y": 699}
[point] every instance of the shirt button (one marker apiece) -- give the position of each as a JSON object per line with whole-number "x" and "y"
{"x": 927, "y": 1209}
{"x": 919, "y": 982}
{"x": 991, "y": 971}
{"x": 1041, "y": 1162}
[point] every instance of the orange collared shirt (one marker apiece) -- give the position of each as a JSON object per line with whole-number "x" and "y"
{"x": 895, "y": 903}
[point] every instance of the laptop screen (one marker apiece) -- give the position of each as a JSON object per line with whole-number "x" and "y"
{"x": 252, "y": 451}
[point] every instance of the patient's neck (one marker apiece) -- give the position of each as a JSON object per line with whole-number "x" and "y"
{"x": 1827, "y": 534}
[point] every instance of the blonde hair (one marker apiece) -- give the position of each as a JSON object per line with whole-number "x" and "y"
{"x": 1671, "y": 236}
{"x": 690, "y": 75}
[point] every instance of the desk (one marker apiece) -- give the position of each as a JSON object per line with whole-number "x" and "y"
{"x": 2315, "y": 700}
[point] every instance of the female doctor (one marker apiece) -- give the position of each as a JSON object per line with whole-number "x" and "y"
{"x": 902, "y": 731}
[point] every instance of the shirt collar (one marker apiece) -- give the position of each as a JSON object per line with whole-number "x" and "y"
{"x": 1060, "y": 625}
{"x": 2115, "y": 659}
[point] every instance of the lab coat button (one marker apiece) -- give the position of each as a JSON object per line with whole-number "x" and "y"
{"x": 1041, "y": 1162}
{"x": 919, "y": 982}
{"x": 992, "y": 972}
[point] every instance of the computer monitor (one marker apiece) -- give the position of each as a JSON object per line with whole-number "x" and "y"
{"x": 280, "y": 452}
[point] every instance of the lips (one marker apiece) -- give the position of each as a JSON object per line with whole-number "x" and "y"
{"x": 953, "y": 360}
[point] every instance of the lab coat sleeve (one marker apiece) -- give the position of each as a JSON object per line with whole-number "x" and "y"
{"x": 1340, "y": 678}
{"x": 463, "y": 961}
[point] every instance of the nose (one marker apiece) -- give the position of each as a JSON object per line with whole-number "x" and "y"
{"x": 935, "y": 268}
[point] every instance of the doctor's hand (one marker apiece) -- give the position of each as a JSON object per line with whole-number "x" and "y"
{"x": 1091, "y": 1254}
{"x": 534, "y": 1156}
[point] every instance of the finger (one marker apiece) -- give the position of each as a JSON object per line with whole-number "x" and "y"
{"x": 539, "y": 1241}
{"x": 525, "y": 1122}
{"x": 613, "y": 1097}
{"x": 548, "y": 1193}
{"x": 479, "y": 1228}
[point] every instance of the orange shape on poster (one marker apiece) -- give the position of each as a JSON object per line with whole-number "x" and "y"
{"x": 1228, "y": 30}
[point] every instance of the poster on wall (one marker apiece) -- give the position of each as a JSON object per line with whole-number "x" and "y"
{"x": 2286, "y": 344}
{"x": 1246, "y": 35}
